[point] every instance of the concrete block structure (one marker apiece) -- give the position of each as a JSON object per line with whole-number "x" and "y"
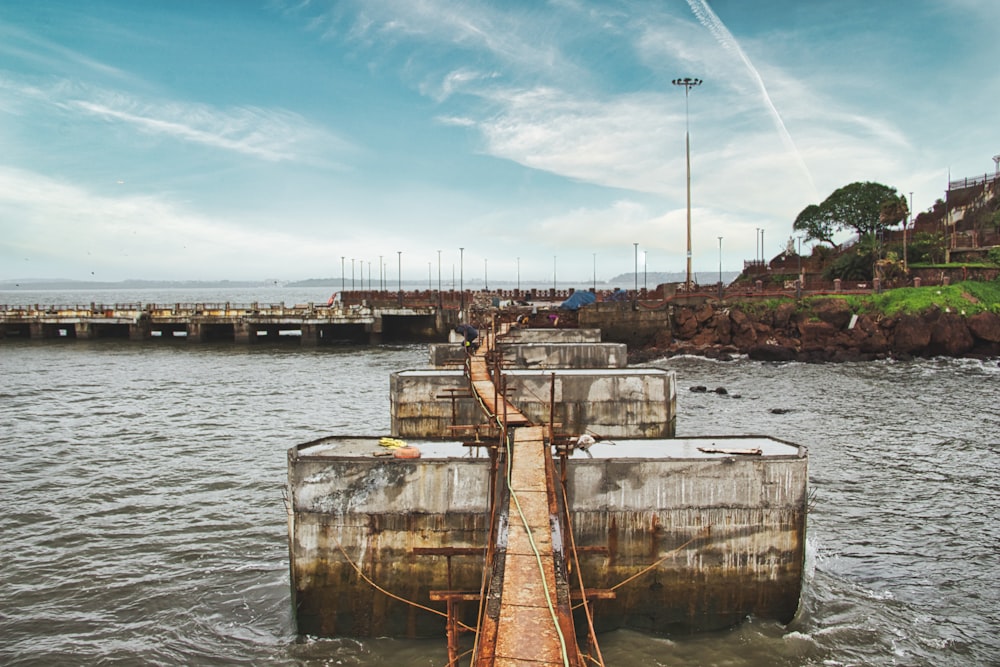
{"x": 710, "y": 531}
{"x": 610, "y": 403}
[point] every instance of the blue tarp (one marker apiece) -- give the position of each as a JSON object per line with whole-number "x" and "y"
{"x": 577, "y": 300}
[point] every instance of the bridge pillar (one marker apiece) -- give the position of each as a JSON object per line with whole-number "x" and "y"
{"x": 194, "y": 333}
{"x": 140, "y": 330}
{"x": 310, "y": 335}
{"x": 242, "y": 332}
{"x": 375, "y": 331}
{"x": 83, "y": 330}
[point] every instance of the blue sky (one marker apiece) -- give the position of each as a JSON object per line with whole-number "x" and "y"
{"x": 266, "y": 139}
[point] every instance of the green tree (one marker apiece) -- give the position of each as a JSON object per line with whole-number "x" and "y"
{"x": 865, "y": 207}
{"x": 816, "y": 223}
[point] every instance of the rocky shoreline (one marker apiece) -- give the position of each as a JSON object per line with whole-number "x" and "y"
{"x": 827, "y": 330}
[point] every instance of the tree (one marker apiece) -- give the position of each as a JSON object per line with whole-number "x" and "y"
{"x": 866, "y": 207}
{"x": 816, "y": 223}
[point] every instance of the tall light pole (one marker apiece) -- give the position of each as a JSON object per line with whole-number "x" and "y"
{"x": 595, "y": 272}
{"x": 461, "y": 279}
{"x": 720, "y": 264}
{"x": 519, "y": 275}
{"x": 553, "y": 275}
{"x": 635, "y": 269}
{"x": 688, "y": 84}
{"x": 439, "y": 270}
{"x": 645, "y": 268}
{"x": 399, "y": 275}
{"x": 381, "y": 282}
{"x": 352, "y": 274}
{"x": 486, "y": 274}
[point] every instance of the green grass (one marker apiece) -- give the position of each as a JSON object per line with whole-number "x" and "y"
{"x": 968, "y": 297}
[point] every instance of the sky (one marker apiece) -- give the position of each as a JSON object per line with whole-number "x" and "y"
{"x": 284, "y": 139}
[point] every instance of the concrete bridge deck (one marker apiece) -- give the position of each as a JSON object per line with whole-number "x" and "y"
{"x": 243, "y": 323}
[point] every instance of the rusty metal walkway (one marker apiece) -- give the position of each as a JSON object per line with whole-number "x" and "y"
{"x": 491, "y": 398}
{"x": 527, "y": 616}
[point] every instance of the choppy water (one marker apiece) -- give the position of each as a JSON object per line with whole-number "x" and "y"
{"x": 143, "y": 518}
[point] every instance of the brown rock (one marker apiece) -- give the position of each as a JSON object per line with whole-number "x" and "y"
{"x": 816, "y": 335}
{"x": 771, "y": 353}
{"x": 911, "y": 335}
{"x": 743, "y": 334}
{"x": 783, "y": 315}
{"x": 950, "y": 336}
{"x": 985, "y": 326}
{"x": 685, "y": 323}
{"x": 723, "y": 327}
{"x": 835, "y": 312}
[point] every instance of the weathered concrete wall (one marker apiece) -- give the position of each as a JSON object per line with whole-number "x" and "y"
{"x": 634, "y": 402}
{"x": 727, "y": 535}
{"x": 621, "y": 322}
{"x": 540, "y": 355}
{"x": 581, "y": 335}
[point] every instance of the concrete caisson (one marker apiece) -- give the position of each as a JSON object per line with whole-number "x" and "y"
{"x": 708, "y": 537}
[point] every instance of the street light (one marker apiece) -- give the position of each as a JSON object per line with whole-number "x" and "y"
{"x": 486, "y": 274}
{"x": 635, "y": 270}
{"x": 645, "y": 268}
{"x": 519, "y": 275}
{"x": 461, "y": 278}
{"x": 399, "y": 276}
{"x": 553, "y": 275}
{"x": 688, "y": 84}
{"x": 595, "y": 272}
{"x": 352, "y": 274}
{"x": 439, "y": 270}
{"x": 720, "y": 265}
{"x": 342, "y": 282}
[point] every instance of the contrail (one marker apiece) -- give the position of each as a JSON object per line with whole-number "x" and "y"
{"x": 708, "y": 18}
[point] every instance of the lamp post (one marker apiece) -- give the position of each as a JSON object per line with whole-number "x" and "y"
{"x": 461, "y": 279}
{"x": 399, "y": 275}
{"x": 688, "y": 84}
{"x": 352, "y": 274}
{"x": 342, "y": 282}
{"x": 486, "y": 274}
{"x": 439, "y": 270}
{"x": 381, "y": 282}
{"x": 553, "y": 275}
{"x": 595, "y": 272}
{"x": 518, "y": 276}
{"x": 720, "y": 267}
{"x": 635, "y": 268}
{"x": 645, "y": 270}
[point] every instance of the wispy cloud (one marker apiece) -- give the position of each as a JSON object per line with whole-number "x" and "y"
{"x": 274, "y": 135}
{"x": 267, "y": 134}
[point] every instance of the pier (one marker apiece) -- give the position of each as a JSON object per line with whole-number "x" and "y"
{"x": 307, "y": 324}
{"x": 515, "y": 534}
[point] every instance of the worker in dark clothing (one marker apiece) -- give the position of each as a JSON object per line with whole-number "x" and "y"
{"x": 469, "y": 336}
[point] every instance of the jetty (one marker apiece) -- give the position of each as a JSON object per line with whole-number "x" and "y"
{"x": 521, "y": 534}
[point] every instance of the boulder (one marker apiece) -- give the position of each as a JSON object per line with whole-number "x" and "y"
{"x": 835, "y": 312}
{"x": 771, "y": 353}
{"x": 911, "y": 335}
{"x": 985, "y": 326}
{"x": 950, "y": 336}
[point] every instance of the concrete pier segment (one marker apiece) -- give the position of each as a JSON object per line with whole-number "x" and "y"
{"x": 627, "y": 402}
{"x": 726, "y": 531}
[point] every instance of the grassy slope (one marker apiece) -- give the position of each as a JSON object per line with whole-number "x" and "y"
{"x": 966, "y": 297}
